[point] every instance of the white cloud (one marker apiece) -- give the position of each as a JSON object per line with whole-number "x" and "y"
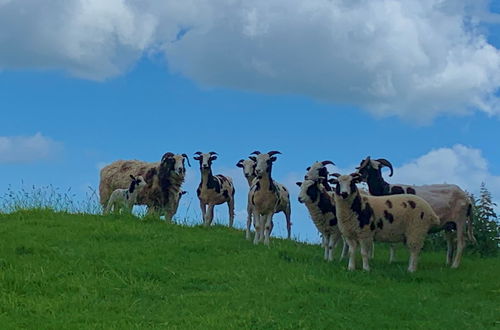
{"x": 414, "y": 58}
{"x": 460, "y": 165}
{"x": 27, "y": 149}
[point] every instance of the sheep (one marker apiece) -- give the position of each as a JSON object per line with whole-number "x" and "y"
{"x": 248, "y": 166}
{"x": 450, "y": 203}
{"x": 323, "y": 214}
{"x": 396, "y": 218}
{"x": 164, "y": 180}
{"x": 213, "y": 189}
{"x": 267, "y": 197}
{"x": 123, "y": 200}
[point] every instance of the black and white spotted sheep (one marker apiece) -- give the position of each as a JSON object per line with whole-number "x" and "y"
{"x": 213, "y": 189}
{"x": 395, "y": 218}
{"x": 123, "y": 200}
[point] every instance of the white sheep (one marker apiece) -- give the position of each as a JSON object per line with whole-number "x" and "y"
{"x": 396, "y": 218}
{"x": 213, "y": 189}
{"x": 248, "y": 166}
{"x": 450, "y": 203}
{"x": 123, "y": 200}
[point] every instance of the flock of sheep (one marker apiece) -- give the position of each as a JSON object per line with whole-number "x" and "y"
{"x": 339, "y": 209}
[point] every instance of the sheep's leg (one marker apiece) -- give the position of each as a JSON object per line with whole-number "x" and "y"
{"x": 372, "y": 250}
{"x": 331, "y": 245}
{"x": 450, "y": 247}
{"x": 249, "y": 220}
{"x": 258, "y": 225}
{"x": 414, "y": 248}
{"x": 210, "y": 214}
{"x": 352, "y": 253}
{"x": 288, "y": 214}
{"x": 267, "y": 230}
{"x": 203, "y": 212}
{"x": 345, "y": 248}
{"x": 230, "y": 206}
{"x": 324, "y": 245}
{"x": 460, "y": 245}
{"x": 366, "y": 248}
{"x": 391, "y": 253}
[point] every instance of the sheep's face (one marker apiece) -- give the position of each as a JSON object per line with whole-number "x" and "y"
{"x": 205, "y": 159}
{"x": 318, "y": 170}
{"x": 171, "y": 162}
{"x": 140, "y": 182}
{"x": 309, "y": 191}
{"x": 264, "y": 164}
{"x": 248, "y": 167}
{"x": 137, "y": 183}
{"x": 345, "y": 185}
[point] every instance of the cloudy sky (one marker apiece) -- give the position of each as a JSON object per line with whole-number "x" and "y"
{"x": 87, "y": 82}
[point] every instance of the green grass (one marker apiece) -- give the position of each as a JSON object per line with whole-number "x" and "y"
{"x": 88, "y": 271}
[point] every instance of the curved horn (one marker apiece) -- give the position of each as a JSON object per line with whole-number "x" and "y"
{"x": 271, "y": 153}
{"x": 167, "y": 155}
{"x": 256, "y": 152}
{"x": 213, "y": 153}
{"x": 198, "y": 153}
{"x": 387, "y": 163}
{"x": 186, "y": 157}
{"x": 335, "y": 174}
{"x": 326, "y": 162}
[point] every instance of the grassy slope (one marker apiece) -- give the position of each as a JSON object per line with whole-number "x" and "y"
{"x": 60, "y": 271}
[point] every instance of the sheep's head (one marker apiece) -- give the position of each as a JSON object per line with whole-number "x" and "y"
{"x": 264, "y": 162}
{"x": 345, "y": 185}
{"x": 137, "y": 182}
{"x": 309, "y": 191}
{"x": 318, "y": 170}
{"x": 171, "y": 162}
{"x": 205, "y": 159}
{"x": 248, "y": 166}
{"x": 373, "y": 167}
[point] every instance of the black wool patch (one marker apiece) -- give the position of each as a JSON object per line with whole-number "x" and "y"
{"x": 380, "y": 223}
{"x": 372, "y": 226}
{"x": 396, "y": 190}
{"x": 225, "y": 193}
{"x": 388, "y": 216}
{"x": 410, "y": 190}
{"x": 412, "y": 204}
{"x": 421, "y": 215}
{"x": 388, "y": 203}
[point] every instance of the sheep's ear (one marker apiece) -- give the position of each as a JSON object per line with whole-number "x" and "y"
{"x": 196, "y": 158}
{"x": 333, "y": 181}
{"x": 307, "y": 169}
{"x": 335, "y": 174}
{"x": 213, "y": 157}
{"x": 298, "y": 183}
{"x": 240, "y": 163}
{"x": 273, "y": 159}
{"x": 132, "y": 177}
{"x": 253, "y": 158}
{"x": 183, "y": 192}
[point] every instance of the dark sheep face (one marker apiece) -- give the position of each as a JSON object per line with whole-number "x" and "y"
{"x": 205, "y": 160}
{"x": 309, "y": 192}
{"x": 171, "y": 162}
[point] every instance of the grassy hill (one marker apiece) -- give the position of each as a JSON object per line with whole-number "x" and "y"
{"x": 84, "y": 271}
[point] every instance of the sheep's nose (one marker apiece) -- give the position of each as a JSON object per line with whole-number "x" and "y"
{"x": 344, "y": 195}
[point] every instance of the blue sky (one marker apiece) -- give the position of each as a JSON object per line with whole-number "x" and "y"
{"x": 409, "y": 81}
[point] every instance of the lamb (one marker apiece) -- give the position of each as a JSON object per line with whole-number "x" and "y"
{"x": 248, "y": 166}
{"x": 164, "y": 180}
{"x": 123, "y": 200}
{"x": 213, "y": 189}
{"x": 450, "y": 203}
{"x": 267, "y": 197}
{"x": 396, "y": 218}
{"x": 323, "y": 214}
